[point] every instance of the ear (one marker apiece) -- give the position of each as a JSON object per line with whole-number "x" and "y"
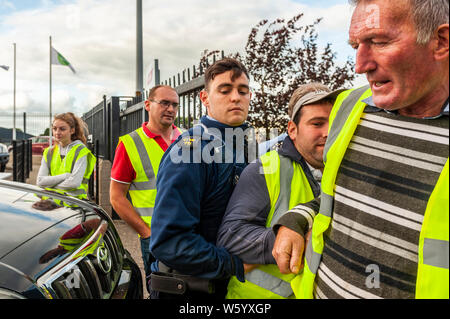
{"x": 292, "y": 130}
{"x": 147, "y": 105}
{"x": 204, "y": 98}
{"x": 441, "y": 50}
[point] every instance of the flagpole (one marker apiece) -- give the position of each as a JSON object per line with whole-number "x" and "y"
{"x": 14, "y": 96}
{"x": 50, "y": 106}
{"x": 139, "y": 49}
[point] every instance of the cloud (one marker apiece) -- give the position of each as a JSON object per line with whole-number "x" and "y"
{"x": 4, "y": 4}
{"x": 98, "y": 38}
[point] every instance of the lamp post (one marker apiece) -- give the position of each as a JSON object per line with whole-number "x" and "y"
{"x": 50, "y": 95}
{"x": 14, "y": 98}
{"x": 139, "y": 49}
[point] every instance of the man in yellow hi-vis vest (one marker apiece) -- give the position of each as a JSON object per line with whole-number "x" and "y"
{"x": 382, "y": 229}
{"x": 269, "y": 187}
{"x": 136, "y": 164}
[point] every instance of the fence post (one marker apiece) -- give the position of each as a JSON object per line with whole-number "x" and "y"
{"x": 14, "y": 142}
{"x": 22, "y": 179}
{"x": 97, "y": 173}
{"x": 30, "y": 152}
{"x": 26, "y": 160}
{"x": 114, "y": 132}
{"x": 105, "y": 127}
{"x": 157, "y": 73}
{"x": 24, "y": 124}
{"x": 18, "y": 161}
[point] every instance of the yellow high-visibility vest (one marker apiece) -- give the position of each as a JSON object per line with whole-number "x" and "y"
{"x": 145, "y": 155}
{"x": 58, "y": 166}
{"x": 432, "y": 275}
{"x": 288, "y": 186}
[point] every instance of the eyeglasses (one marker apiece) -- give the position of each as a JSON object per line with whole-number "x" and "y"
{"x": 166, "y": 104}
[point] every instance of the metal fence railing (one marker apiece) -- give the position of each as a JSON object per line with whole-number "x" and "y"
{"x": 118, "y": 116}
{"x": 93, "y": 184}
{"x": 104, "y": 125}
{"x": 28, "y": 124}
{"x": 22, "y": 160}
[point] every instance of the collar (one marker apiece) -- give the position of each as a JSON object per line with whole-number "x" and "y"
{"x": 211, "y": 119}
{"x": 64, "y": 150}
{"x": 150, "y": 134}
{"x": 211, "y": 122}
{"x": 288, "y": 150}
{"x": 316, "y": 173}
{"x": 372, "y": 108}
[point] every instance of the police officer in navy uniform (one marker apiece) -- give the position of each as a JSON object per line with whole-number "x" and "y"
{"x": 195, "y": 181}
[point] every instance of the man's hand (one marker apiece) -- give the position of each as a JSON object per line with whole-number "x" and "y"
{"x": 288, "y": 250}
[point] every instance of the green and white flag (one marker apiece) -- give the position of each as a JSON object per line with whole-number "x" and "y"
{"x": 4, "y": 67}
{"x": 58, "y": 59}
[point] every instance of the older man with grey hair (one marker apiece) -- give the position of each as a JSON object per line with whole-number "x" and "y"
{"x": 381, "y": 228}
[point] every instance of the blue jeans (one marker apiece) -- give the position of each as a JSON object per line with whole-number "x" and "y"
{"x": 147, "y": 257}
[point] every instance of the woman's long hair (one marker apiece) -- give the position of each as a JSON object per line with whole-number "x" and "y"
{"x": 81, "y": 130}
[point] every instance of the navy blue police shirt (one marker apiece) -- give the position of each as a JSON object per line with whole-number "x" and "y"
{"x": 195, "y": 181}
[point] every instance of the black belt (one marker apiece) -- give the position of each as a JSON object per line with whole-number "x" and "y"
{"x": 170, "y": 281}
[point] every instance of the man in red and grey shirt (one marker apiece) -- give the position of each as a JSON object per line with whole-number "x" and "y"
{"x": 136, "y": 164}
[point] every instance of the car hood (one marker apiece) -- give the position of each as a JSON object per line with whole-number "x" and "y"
{"x": 21, "y": 222}
{"x": 31, "y": 240}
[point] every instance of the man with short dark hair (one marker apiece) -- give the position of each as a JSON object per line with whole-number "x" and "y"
{"x": 270, "y": 187}
{"x": 381, "y": 228}
{"x": 136, "y": 163}
{"x": 195, "y": 181}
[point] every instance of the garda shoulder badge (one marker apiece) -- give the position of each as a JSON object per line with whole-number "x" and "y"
{"x": 190, "y": 142}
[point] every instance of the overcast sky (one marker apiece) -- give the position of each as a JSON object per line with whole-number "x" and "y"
{"x": 98, "y": 38}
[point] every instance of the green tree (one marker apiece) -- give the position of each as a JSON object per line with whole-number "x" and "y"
{"x": 279, "y": 56}
{"x": 46, "y": 132}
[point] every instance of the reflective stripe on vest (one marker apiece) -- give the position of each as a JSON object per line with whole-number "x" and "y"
{"x": 145, "y": 155}
{"x": 269, "y": 282}
{"x": 432, "y": 278}
{"x": 288, "y": 186}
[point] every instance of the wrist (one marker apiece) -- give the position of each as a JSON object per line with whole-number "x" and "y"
{"x": 145, "y": 234}
{"x": 293, "y": 222}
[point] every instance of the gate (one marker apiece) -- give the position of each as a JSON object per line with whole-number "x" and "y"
{"x": 22, "y": 160}
{"x": 120, "y": 115}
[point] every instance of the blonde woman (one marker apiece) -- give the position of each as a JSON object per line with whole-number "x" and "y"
{"x": 67, "y": 166}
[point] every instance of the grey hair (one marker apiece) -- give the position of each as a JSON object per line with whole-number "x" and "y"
{"x": 428, "y": 15}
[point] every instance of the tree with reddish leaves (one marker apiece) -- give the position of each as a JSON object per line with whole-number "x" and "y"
{"x": 280, "y": 56}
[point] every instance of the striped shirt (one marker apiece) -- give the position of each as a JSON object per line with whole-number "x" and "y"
{"x": 382, "y": 189}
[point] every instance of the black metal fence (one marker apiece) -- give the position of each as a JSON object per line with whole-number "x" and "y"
{"x": 93, "y": 185}
{"x": 188, "y": 88}
{"x": 22, "y": 160}
{"x": 120, "y": 115}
